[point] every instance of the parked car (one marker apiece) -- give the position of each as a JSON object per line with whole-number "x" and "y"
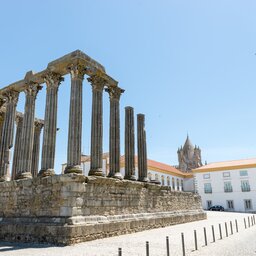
{"x": 216, "y": 208}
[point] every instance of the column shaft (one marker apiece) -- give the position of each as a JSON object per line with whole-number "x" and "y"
{"x": 142, "y": 149}
{"x": 50, "y": 124}
{"x": 114, "y": 133}
{"x": 75, "y": 120}
{"x": 2, "y": 116}
{"x": 7, "y": 134}
{"x": 17, "y": 146}
{"x": 27, "y": 134}
{"x": 36, "y": 148}
{"x": 129, "y": 144}
{"x": 96, "y": 125}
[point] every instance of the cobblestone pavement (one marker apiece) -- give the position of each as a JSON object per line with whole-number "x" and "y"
{"x": 242, "y": 243}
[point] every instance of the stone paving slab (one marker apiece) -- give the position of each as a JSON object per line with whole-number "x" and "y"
{"x": 242, "y": 243}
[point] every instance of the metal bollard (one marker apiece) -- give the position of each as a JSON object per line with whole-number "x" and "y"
{"x": 220, "y": 231}
{"x": 183, "y": 244}
{"x": 205, "y": 237}
{"x": 245, "y": 224}
{"x": 119, "y": 251}
{"x": 249, "y": 222}
{"x": 167, "y": 246}
{"x": 226, "y": 228}
{"x": 231, "y": 228}
{"x": 213, "y": 234}
{"x": 236, "y": 227}
{"x": 147, "y": 248}
{"x": 195, "y": 236}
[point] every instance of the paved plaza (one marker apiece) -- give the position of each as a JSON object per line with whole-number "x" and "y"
{"x": 241, "y": 243}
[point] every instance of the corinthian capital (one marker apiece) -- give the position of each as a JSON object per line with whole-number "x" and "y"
{"x": 32, "y": 88}
{"x": 77, "y": 71}
{"x": 97, "y": 82}
{"x": 53, "y": 79}
{"x": 38, "y": 125}
{"x": 19, "y": 119}
{"x": 114, "y": 92}
{"x": 11, "y": 96}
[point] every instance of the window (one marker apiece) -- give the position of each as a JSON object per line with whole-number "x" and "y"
{"x": 173, "y": 183}
{"x": 243, "y": 173}
{"x": 178, "y": 184}
{"x": 209, "y": 204}
{"x": 248, "y": 204}
{"x": 228, "y": 187}
{"x": 206, "y": 176}
{"x": 207, "y": 188}
{"x": 182, "y": 185}
{"x": 168, "y": 181}
{"x": 162, "y": 180}
{"x": 245, "y": 186}
{"x": 226, "y": 174}
{"x": 230, "y": 204}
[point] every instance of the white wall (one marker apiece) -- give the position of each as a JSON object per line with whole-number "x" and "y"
{"x": 219, "y": 197}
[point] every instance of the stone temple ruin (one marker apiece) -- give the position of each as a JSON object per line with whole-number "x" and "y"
{"x": 39, "y": 206}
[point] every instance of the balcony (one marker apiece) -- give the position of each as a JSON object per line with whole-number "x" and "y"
{"x": 208, "y": 191}
{"x": 228, "y": 190}
{"x": 246, "y": 189}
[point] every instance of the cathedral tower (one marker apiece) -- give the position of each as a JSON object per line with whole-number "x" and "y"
{"x": 189, "y": 156}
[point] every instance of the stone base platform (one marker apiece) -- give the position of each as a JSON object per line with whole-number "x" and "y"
{"x": 71, "y": 208}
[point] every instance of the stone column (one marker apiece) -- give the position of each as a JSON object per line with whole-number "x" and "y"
{"x": 2, "y": 115}
{"x": 129, "y": 144}
{"x": 142, "y": 149}
{"x": 97, "y": 125}
{"x": 53, "y": 81}
{"x": 114, "y": 132}
{"x": 17, "y": 146}
{"x": 75, "y": 120}
{"x": 27, "y": 134}
{"x": 11, "y": 98}
{"x": 36, "y": 148}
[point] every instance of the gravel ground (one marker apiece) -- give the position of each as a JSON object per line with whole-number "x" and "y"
{"x": 134, "y": 244}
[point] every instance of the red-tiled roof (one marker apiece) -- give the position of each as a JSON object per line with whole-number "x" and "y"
{"x": 233, "y": 164}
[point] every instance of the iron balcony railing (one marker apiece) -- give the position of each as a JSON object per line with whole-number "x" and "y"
{"x": 246, "y": 189}
{"x": 228, "y": 190}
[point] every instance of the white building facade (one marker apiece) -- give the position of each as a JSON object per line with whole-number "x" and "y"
{"x": 231, "y": 184}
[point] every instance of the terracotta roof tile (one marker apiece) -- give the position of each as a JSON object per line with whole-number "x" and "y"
{"x": 227, "y": 164}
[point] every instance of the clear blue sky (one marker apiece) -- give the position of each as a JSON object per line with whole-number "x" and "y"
{"x": 190, "y": 66}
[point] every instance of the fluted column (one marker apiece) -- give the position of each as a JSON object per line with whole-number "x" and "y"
{"x": 75, "y": 120}
{"x": 2, "y": 115}
{"x": 114, "y": 132}
{"x": 96, "y": 125}
{"x": 36, "y": 148}
{"x": 129, "y": 144}
{"x": 11, "y": 98}
{"x": 53, "y": 81}
{"x": 17, "y": 146}
{"x": 142, "y": 149}
{"x": 27, "y": 134}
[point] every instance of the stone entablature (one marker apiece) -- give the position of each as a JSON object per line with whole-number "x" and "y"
{"x": 69, "y": 204}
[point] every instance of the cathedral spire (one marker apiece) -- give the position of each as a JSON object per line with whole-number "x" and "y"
{"x": 189, "y": 156}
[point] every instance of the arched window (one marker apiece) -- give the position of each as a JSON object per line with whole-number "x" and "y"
{"x": 150, "y": 176}
{"x": 173, "y": 184}
{"x": 168, "y": 181}
{"x": 182, "y": 185}
{"x": 178, "y": 184}
{"x": 162, "y": 180}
